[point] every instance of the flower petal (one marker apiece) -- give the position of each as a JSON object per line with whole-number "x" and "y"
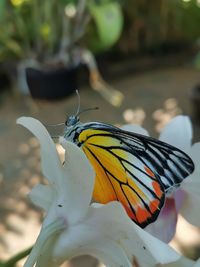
{"x": 45, "y": 257}
{"x": 42, "y": 196}
{"x": 78, "y": 181}
{"x": 178, "y": 132}
{"x": 191, "y": 187}
{"x": 194, "y": 154}
{"x": 48, "y": 232}
{"x": 182, "y": 262}
{"x": 167, "y": 220}
{"x": 108, "y": 225}
{"x": 135, "y": 129}
{"x": 107, "y": 251}
{"x": 190, "y": 208}
{"x": 136, "y": 242}
{"x": 179, "y": 196}
{"x": 161, "y": 252}
{"x": 51, "y": 164}
{"x": 88, "y": 238}
{"x": 197, "y": 264}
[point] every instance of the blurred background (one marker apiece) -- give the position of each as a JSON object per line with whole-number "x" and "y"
{"x": 138, "y": 61}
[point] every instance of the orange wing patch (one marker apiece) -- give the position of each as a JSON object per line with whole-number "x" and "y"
{"x": 149, "y": 172}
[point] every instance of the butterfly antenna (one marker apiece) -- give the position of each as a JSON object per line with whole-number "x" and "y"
{"x": 78, "y": 112}
{"x": 87, "y": 109}
{"x": 79, "y": 104}
{"x": 54, "y": 125}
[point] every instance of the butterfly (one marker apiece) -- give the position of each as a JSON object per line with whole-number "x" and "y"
{"x": 134, "y": 169}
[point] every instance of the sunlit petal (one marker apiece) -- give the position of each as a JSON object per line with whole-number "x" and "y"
{"x": 135, "y": 129}
{"x": 191, "y": 187}
{"x": 178, "y": 132}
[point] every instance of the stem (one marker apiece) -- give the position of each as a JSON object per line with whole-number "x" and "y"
{"x": 12, "y": 261}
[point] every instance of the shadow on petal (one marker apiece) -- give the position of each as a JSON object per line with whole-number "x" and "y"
{"x": 165, "y": 226}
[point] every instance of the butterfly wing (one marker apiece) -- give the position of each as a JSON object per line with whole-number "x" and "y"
{"x": 169, "y": 163}
{"x": 133, "y": 169}
{"x": 121, "y": 176}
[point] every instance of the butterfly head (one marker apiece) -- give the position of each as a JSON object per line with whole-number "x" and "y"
{"x": 73, "y": 125}
{"x": 71, "y": 121}
{"x": 71, "y": 131}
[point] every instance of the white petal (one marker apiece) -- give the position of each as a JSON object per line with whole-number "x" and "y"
{"x": 135, "y": 129}
{"x": 51, "y": 164}
{"x": 48, "y": 232}
{"x": 195, "y": 155}
{"x": 42, "y": 196}
{"x": 109, "y": 225}
{"x": 162, "y": 252}
{"x": 45, "y": 257}
{"x": 182, "y": 262}
{"x": 178, "y": 132}
{"x": 197, "y": 264}
{"x": 191, "y": 187}
{"x": 78, "y": 181}
{"x": 190, "y": 207}
{"x": 109, "y": 253}
{"x": 79, "y": 241}
{"x": 135, "y": 241}
{"x": 167, "y": 220}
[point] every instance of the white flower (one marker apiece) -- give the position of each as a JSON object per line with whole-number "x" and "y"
{"x": 72, "y": 226}
{"x": 182, "y": 262}
{"x": 186, "y": 199}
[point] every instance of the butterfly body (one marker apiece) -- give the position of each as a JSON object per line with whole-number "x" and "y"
{"x": 134, "y": 169}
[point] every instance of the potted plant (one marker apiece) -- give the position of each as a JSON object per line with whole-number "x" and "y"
{"x": 44, "y": 40}
{"x": 40, "y": 38}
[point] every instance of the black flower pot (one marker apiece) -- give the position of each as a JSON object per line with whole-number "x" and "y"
{"x": 51, "y": 84}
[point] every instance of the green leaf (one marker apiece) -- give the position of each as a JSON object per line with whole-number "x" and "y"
{"x": 108, "y": 20}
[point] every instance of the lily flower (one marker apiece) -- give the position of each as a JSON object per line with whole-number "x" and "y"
{"x": 73, "y": 226}
{"x": 185, "y": 199}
